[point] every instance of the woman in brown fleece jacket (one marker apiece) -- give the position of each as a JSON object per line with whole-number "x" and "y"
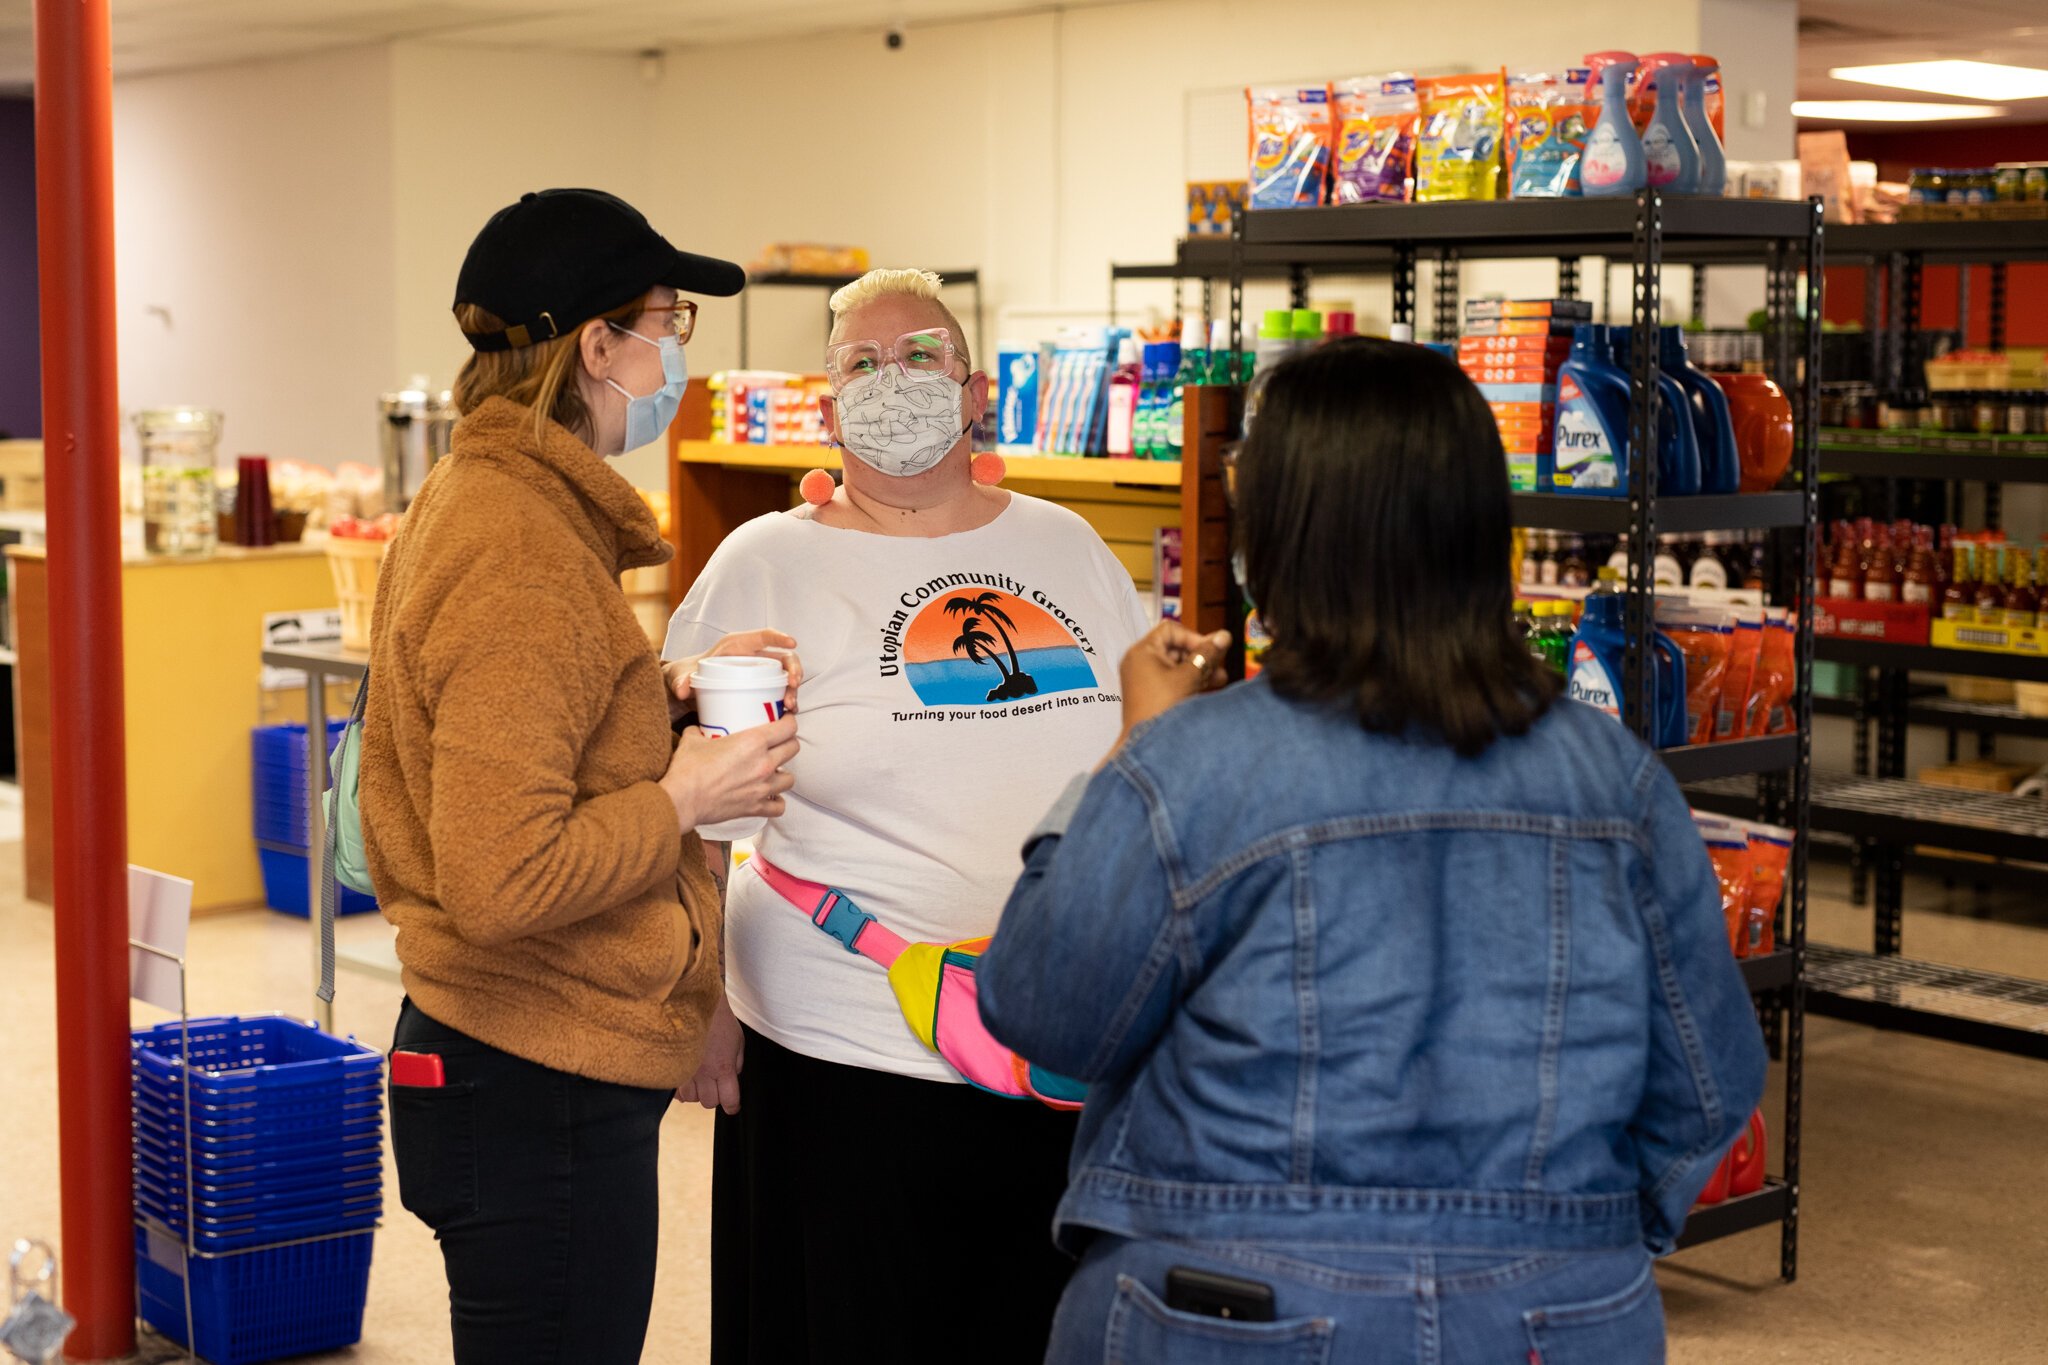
{"x": 527, "y": 812}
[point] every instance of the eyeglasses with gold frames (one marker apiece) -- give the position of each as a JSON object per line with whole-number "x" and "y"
{"x": 681, "y": 317}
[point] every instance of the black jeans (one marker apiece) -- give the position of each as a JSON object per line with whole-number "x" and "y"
{"x": 542, "y": 1188}
{"x": 860, "y": 1217}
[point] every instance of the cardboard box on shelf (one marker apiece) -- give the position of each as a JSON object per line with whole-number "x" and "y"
{"x": 1990, "y": 639}
{"x": 1978, "y": 774}
{"x": 1517, "y": 350}
{"x": 1897, "y": 623}
{"x": 21, "y": 476}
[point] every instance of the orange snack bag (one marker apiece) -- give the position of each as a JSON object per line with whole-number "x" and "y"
{"x": 1770, "y": 853}
{"x": 1730, "y": 717}
{"x": 1770, "y": 690}
{"x": 1728, "y": 847}
{"x": 1706, "y": 637}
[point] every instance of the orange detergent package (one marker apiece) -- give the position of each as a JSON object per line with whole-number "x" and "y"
{"x": 1728, "y": 847}
{"x": 1706, "y": 636}
{"x": 1731, "y": 716}
{"x": 1770, "y": 854}
{"x": 1770, "y": 690}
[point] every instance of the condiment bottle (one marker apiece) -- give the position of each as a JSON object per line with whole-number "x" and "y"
{"x": 1959, "y": 596}
{"x": 1920, "y": 585}
{"x": 1990, "y": 597}
{"x": 2022, "y": 601}
{"x": 1845, "y": 577}
{"x": 1575, "y": 572}
{"x": 1880, "y": 573}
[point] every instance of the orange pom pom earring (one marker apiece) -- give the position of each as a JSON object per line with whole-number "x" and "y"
{"x": 817, "y": 487}
{"x": 989, "y": 468}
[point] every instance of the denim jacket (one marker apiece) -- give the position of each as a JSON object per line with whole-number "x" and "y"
{"x": 1350, "y": 988}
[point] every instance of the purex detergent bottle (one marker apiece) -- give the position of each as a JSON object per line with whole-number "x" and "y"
{"x": 1678, "y": 440}
{"x": 1590, "y": 443}
{"x": 1597, "y": 672}
{"x": 1713, "y": 422}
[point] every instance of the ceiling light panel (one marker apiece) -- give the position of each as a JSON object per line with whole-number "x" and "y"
{"x": 1970, "y": 80}
{"x": 1892, "y": 111}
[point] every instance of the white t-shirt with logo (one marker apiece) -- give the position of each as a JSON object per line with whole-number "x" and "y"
{"x": 953, "y": 686}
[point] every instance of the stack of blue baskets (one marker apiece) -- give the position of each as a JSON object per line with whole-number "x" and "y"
{"x": 277, "y": 767}
{"x": 286, "y": 1184}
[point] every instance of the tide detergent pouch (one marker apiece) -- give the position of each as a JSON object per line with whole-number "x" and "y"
{"x": 1290, "y": 146}
{"x": 1375, "y": 145}
{"x": 1547, "y": 116}
{"x": 1458, "y": 145}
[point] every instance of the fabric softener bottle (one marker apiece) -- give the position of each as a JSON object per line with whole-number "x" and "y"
{"x": 1670, "y": 156}
{"x": 1612, "y": 163}
{"x": 1713, "y": 176}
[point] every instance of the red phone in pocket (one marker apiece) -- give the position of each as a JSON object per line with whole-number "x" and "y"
{"x": 417, "y": 1068}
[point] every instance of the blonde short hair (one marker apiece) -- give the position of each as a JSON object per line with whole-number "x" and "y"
{"x": 914, "y": 284}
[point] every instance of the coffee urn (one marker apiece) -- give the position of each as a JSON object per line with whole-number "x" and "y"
{"x": 418, "y": 426}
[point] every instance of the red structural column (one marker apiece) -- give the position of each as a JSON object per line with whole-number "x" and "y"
{"x": 81, "y": 440}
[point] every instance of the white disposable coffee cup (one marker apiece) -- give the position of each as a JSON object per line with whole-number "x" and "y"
{"x": 735, "y": 693}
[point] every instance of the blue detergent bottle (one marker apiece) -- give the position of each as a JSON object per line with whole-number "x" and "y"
{"x": 1612, "y": 162}
{"x": 1596, "y": 670}
{"x": 1720, "y": 461}
{"x": 1589, "y": 447}
{"x": 1670, "y": 156}
{"x": 1678, "y": 441}
{"x": 1692, "y": 107}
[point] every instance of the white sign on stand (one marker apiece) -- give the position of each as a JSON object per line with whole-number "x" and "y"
{"x": 159, "y": 914}
{"x": 320, "y": 629}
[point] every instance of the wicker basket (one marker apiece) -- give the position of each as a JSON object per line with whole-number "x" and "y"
{"x": 354, "y": 564}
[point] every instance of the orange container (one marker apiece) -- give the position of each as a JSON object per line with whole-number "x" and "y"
{"x": 1763, "y": 428}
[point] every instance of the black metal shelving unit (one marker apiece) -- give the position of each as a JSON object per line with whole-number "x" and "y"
{"x": 1645, "y": 232}
{"x": 1897, "y": 825}
{"x": 969, "y": 279}
{"x": 1208, "y": 262}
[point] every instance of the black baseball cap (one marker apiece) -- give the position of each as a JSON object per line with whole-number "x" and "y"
{"x": 558, "y": 258}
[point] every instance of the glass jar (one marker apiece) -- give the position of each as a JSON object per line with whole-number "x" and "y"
{"x": 2016, "y": 408}
{"x": 1989, "y": 412}
{"x": 1955, "y": 410}
{"x": 1898, "y": 411}
{"x": 1833, "y": 406}
{"x": 1922, "y": 188}
{"x": 2009, "y": 182}
{"x": 2034, "y": 183}
{"x": 179, "y": 508}
{"x": 2037, "y": 414}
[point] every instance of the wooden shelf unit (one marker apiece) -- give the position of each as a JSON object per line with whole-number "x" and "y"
{"x": 715, "y": 487}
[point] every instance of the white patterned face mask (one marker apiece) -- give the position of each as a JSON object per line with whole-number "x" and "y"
{"x": 900, "y": 422}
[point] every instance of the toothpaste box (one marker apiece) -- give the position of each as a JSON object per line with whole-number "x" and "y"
{"x": 1520, "y": 327}
{"x": 1485, "y": 376}
{"x": 1579, "y": 310}
{"x": 1517, "y": 350}
{"x": 1499, "y": 396}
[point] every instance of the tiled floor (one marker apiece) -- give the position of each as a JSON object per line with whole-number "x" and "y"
{"x": 1924, "y": 1194}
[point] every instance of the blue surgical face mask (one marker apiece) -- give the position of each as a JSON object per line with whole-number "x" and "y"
{"x": 649, "y": 415}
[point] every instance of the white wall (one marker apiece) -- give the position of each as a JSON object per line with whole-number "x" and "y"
{"x": 254, "y": 249}
{"x": 302, "y": 221}
{"x": 1063, "y": 144}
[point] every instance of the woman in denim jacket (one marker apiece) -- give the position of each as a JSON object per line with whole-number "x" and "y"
{"x": 1402, "y": 987}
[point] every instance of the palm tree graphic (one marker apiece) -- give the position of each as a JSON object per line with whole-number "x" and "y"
{"x": 980, "y": 647}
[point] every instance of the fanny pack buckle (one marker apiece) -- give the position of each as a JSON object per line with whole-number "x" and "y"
{"x": 838, "y": 916}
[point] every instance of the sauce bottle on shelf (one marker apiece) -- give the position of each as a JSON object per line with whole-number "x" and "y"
{"x": 1845, "y": 575}
{"x": 2022, "y": 600}
{"x": 1574, "y": 571}
{"x": 1921, "y": 584}
{"x": 1959, "y": 595}
{"x": 1990, "y": 595}
{"x": 1880, "y": 573}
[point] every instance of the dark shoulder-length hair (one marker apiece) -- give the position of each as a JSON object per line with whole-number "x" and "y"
{"x": 1372, "y": 508}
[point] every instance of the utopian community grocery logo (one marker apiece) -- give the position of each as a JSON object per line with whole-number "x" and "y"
{"x": 984, "y": 639}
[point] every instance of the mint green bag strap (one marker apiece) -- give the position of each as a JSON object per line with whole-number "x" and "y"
{"x": 344, "y": 857}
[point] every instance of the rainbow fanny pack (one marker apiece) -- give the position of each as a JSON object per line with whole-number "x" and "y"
{"x": 935, "y": 989}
